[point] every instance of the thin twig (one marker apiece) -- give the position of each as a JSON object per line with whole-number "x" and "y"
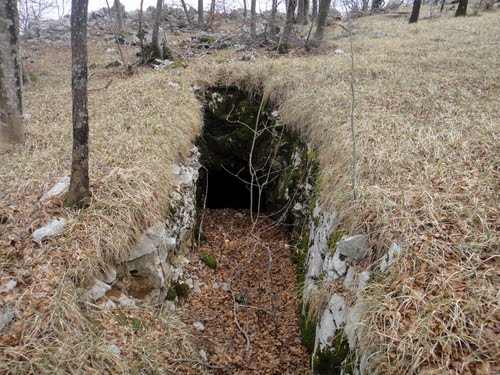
{"x": 198, "y": 362}
{"x": 102, "y": 88}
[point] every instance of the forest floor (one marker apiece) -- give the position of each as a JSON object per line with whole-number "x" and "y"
{"x": 249, "y": 304}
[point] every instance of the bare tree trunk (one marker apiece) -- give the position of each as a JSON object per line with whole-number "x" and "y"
{"x": 156, "y": 30}
{"x": 11, "y": 104}
{"x": 201, "y": 22}
{"x": 377, "y": 4}
{"x": 79, "y": 190}
{"x": 302, "y": 12}
{"x": 141, "y": 32}
{"x": 274, "y": 9}
{"x": 253, "y": 15}
{"x": 119, "y": 18}
{"x": 324, "y": 7}
{"x": 314, "y": 9}
{"x": 188, "y": 16}
{"x": 415, "y": 11}
{"x": 212, "y": 13}
{"x": 462, "y": 8}
{"x": 245, "y": 9}
{"x": 364, "y": 6}
{"x": 290, "y": 19}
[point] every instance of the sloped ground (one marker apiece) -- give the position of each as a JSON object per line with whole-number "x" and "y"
{"x": 428, "y": 178}
{"x": 251, "y": 294}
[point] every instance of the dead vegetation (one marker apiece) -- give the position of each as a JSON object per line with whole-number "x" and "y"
{"x": 428, "y": 179}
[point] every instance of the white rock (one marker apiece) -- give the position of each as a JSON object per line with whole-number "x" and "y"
{"x": 126, "y": 301}
{"x": 54, "y": 228}
{"x": 109, "y": 275}
{"x": 170, "y": 305}
{"x": 363, "y": 280}
{"x": 353, "y": 328}
{"x": 114, "y": 349}
{"x": 11, "y": 284}
{"x": 349, "y": 278}
{"x": 199, "y": 326}
{"x": 387, "y": 260}
{"x": 149, "y": 241}
{"x": 173, "y": 84}
{"x": 189, "y": 283}
{"x": 339, "y": 51}
{"x": 354, "y": 247}
{"x": 6, "y": 316}
{"x": 332, "y": 319}
{"x": 225, "y": 287}
{"x": 203, "y": 355}
{"x": 215, "y": 285}
{"x": 297, "y": 206}
{"x": 109, "y": 305}
{"x": 97, "y": 291}
{"x": 59, "y": 188}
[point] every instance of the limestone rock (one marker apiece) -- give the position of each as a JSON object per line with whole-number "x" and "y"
{"x": 199, "y": 326}
{"x": 354, "y": 247}
{"x": 6, "y": 316}
{"x": 54, "y": 228}
{"x": 114, "y": 349}
{"x": 387, "y": 259}
{"x": 58, "y": 189}
{"x": 11, "y": 284}
{"x": 333, "y": 318}
{"x": 109, "y": 275}
{"x": 97, "y": 291}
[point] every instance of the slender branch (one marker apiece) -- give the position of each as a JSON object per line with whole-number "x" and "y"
{"x": 117, "y": 40}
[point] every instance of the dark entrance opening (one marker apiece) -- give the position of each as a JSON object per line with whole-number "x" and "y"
{"x": 228, "y": 190}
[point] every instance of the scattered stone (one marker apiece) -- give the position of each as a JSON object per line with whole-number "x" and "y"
{"x": 250, "y": 57}
{"x": 215, "y": 285}
{"x": 349, "y": 278}
{"x": 126, "y": 301}
{"x": 109, "y": 275}
{"x": 59, "y": 188}
{"x": 339, "y": 51}
{"x": 363, "y": 280}
{"x": 114, "y": 349}
{"x": 199, "y": 326}
{"x": 332, "y": 319}
{"x": 109, "y": 305}
{"x": 11, "y": 284}
{"x": 54, "y": 228}
{"x": 175, "y": 85}
{"x": 203, "y": 355}
{"x": 110, "y": 50}
{"x": 225, "y": 287}
{"x": 387, "y": 260}
{"x": 6, "y": 317}
{"x": 97, "y": 291}
{"x": 354, "y": 247}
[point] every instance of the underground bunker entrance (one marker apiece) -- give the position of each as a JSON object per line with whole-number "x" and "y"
{"x": 244, "y": 164}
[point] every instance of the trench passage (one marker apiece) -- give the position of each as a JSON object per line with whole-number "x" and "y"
{"x": 255, "y": 285}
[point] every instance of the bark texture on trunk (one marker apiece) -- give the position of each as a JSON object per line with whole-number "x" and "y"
{"x": 119, "y": 17}
{"x": 11, "y": 104}
{"x": 324, "y": 8}
{"x": 272, "y": 24}
{"x": 156, "y": 30}
{"x": 303, "y": 12}
{"x": 377, "y": 4}
{"x": 201, "y": 22}
{"x": 79, "y": 190}
{"x": 253, "y": 15}
{"x": 415, "y": 11}
{"x": 290, "y": 19}
{"x": 314, "y": 9}
{"x": 462, "y": 8}
{"x": 245, "y": 9}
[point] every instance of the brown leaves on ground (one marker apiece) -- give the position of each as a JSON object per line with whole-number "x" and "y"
{"x": 260, "y": 275}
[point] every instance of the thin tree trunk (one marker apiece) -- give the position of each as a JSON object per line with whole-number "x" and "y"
{"x": 141, "y": 32}
{"x": 462, "y": 8}
{"x": 11, "y": 104}
{"x": 272, "y": 23}
{"x": 290, "y": 19}
{"x": 212, "y": 12}
{"x": 442, "y": 5}
{"x": 376, "y": 4}
{"x": 188, "y": 16}
{"x": 314, "y": 9}
{"x": 415, "y": 11}
{"x": 79, "y": 190}
{"x": 324, "y": 8}
{"x": 253, "y": 15}
{"x": 245, "y": 9}
{"x": 364, "y": 6}
{"x": 119, "y": 18}
{"x": 201, "y": 22}
{"x": 156, "y": 30}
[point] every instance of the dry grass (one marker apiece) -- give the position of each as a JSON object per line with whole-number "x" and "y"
{"x": 427, "y": 127}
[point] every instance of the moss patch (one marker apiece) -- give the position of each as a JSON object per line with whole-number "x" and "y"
{"x": 209, "y": 260}
{"x": 329, "y": 361}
